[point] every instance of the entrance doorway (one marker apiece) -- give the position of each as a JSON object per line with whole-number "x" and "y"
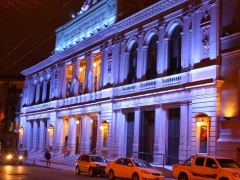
{"x": 173, "y": 135}
{"x": 130, "y": 134}
{"x": 94, "y": 136}
{"x": 146, "y": 135}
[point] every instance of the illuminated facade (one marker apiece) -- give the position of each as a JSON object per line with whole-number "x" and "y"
{"x": 124, "y": 81}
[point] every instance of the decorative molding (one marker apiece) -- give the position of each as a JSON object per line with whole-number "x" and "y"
{"x": 205, "y": 41}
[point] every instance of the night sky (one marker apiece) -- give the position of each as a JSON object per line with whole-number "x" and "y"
{"x": 27, "y": 31}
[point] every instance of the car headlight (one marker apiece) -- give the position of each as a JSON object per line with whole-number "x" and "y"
{"x": 20, "y": 157}
{"x": 145, "y": 172}
{"x": 9, "y": 156}
{"x": 237, "y": 175}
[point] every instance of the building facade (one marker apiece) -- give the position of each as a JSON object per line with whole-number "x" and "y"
{"x": 10, "y": 106}
{"x": 138, "y": 79}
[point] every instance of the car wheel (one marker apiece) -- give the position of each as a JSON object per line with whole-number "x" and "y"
{"x": 183, "y": 177}
{"x": 90, "y": 172}
{"x": 135, "y": 176}
{"x": 111, "y": 175}
{"x": 78, "y": 170}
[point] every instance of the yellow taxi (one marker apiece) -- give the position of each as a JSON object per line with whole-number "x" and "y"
{"x": 130, "y": 168}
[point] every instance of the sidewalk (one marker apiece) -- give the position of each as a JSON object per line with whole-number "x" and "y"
{"x": 53, "y": 165}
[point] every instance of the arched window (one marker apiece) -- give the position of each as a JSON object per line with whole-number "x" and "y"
{"x": 174, "y": 61}
{"x": 132, "y": 68}
{"x": 151, "y": 72}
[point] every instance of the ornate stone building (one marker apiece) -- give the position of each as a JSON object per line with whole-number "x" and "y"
{"x": 134, "y": 77}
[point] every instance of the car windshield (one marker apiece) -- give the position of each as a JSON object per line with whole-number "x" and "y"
{"x": 141, "y": 163}
{"x": 98, "y": 159}
{"x": 228, "y": 163}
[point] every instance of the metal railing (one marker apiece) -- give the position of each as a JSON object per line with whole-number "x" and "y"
{"x": 164, "y": 157}
{"x": 57, "y": 148}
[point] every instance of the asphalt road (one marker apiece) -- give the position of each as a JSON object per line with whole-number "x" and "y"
{"x": 27, "y": 172}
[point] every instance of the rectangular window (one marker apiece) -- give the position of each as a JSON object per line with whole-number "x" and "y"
{"x": 199, "y": 161}
{"x": 203, "y": 139}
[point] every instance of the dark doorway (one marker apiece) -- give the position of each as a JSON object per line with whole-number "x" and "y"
{"x": 130, "y": 134}
{"x": 94, "y": 136}
{"x": 173, "y": 135}
{"x": 146, "y": 135}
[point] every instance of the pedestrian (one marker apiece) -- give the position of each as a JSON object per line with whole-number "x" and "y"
{"x": 67, "y": 152}
{"x": 48, "y": 157}
{"x": 25, "y": 155}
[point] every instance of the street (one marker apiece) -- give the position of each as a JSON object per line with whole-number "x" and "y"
{"x": 28, "y": 172}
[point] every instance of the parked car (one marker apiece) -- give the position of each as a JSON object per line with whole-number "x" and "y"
{"x": 11, "y": 156}
{"x": 207, "y": 167}
{"x": 91, "y": 164}
{"x": 130, "y": 168}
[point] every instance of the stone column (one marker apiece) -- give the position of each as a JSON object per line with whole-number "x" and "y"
{"x": 140, "y": 56}
{"x": 37, "y": 91}
{"x": 60, "y": 79}
{"x": 98, "y": 146}
{"x": 197, "y": 35}
{"x": 162, "y": 133}
{"x": 29, "y": 135}
{"x": 122, "y": 71}
{"x": 47, "y": 142}
{"x": 35, "y": 136}
{"x": 75, "y": 75}
{"x": 120, "y": 122}
{"x": 102, "y": 66}
{"x": 160, "y": 49}
{"x": 125, "y": 69}
{"x": 60, "y": 134}
{"x": 157, "y": 149}
{"x": 72, "y": 134}
{"x": 64, "y": 82}
{"x": 115, "y": 63}
{"x": 89, "y": 76}
{"x": 214, "y": 30}
{"x": 85, "y": 142}
{"x": 166, "y": 58}
{"x": 144, "y": 64}
{"x": 184, "y": 128}
{"x": 137, "y": 112}
{"x": 41, "y": 137}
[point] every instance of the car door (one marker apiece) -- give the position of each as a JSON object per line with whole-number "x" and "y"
{"x": 127, "y": 170}
{"x": 118, "y": 168}
{"x": 212, "y": 168}
{"x": 198, "y": 170}
{"x": 83, "y": 163}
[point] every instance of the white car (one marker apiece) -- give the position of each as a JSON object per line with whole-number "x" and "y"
{"x": 130, "y": 168}
{"x": 91, "y": 164}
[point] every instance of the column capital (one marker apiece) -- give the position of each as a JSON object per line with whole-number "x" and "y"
{"x": 162, "y": 25}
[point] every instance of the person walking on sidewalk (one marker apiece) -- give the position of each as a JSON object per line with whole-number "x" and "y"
{"x": 48, "y": 158}
{"x": 67, "y": 152}
{"x": 25, "y": 155}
